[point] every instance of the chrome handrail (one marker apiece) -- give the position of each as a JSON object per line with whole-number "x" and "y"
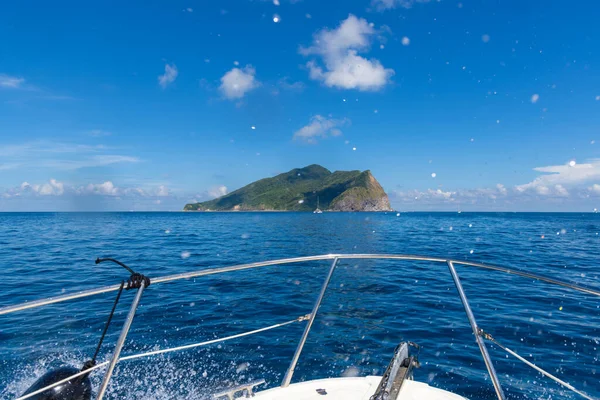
{"x": 335, "y": 257}
{"x": 121, "y": 341}
{"x": 212, "y": 271}
{"x": 290, "y": 371}
{"x": 475, "y": 327}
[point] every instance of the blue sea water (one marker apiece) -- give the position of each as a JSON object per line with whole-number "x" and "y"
{"x": 369, "y": 308}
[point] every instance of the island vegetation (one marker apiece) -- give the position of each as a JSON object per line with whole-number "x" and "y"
{"x": 304, "y": 189}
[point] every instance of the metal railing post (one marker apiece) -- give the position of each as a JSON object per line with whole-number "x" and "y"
{"x": 478, "y": 338}
{"x": 290, "y": 371}
{"x": 120, "y": 342}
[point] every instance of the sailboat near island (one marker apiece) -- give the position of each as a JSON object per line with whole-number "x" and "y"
{"x": 317, "y": 210}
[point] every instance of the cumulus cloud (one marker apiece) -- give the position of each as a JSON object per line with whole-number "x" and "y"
{"x": 11, "y": 82}
{"x": 237, "y": 82}
{"x": 320, "y": 127}
{"x": 209, "y": 194}
{"x": 217, "y": 191}
{"x": 169, "y": 76}
{"x": 557, "y": 177}
{"x": 52, "y": 188}
{"x": 570, "y": 184}
{"x": 106, "y": 188}
{"x": 381, "y": 5}
{"x": 439, "y": 196}
{"x": 162, "y": 191}
{"x": 341, "y": 66}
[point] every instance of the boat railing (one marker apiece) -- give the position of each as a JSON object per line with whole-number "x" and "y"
{"x": 480, "y": 335}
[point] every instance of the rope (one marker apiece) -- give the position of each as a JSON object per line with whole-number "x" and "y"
{"x": 151, "y": 353}
{"x": 489, "y": 337}
{"x": 112, "y": 312}
{"x": 190, "y": 346}
{"x": 135, "y": 281}
{"x": 99, "y": 260}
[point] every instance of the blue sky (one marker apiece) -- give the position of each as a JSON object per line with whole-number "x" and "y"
{"x": 146, "y": 105}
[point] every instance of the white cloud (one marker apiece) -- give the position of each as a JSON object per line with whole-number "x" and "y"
{"x": 162, "y": 191}
{"x": 169, "y": 76}
{"x": 439, "y": 194}
{"x": 342, "y": 66}
{"x": 381, "y": 5}
{"x": 237, "y": 82}
{"x": 541, "y": 198}
{"x": 52, "y": 188}
{"x": 561, "y": 186}
{"x": 561, "y": 191}
{"x": 439, "y": 197}
{"x": 217, "y": 191}
{"x": 11, "y": 82}
{"x": 558, "y": 176}
{"x": 107, "y": 188}
{"x": 320, "y": 127}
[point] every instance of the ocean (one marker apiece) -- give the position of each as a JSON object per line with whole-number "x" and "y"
{"x": 369, "y": 308}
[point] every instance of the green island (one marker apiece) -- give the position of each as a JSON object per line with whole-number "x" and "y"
{"x": 304, "y": 189}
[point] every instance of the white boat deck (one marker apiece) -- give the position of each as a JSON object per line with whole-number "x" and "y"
{"x": 352, "y": 389}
